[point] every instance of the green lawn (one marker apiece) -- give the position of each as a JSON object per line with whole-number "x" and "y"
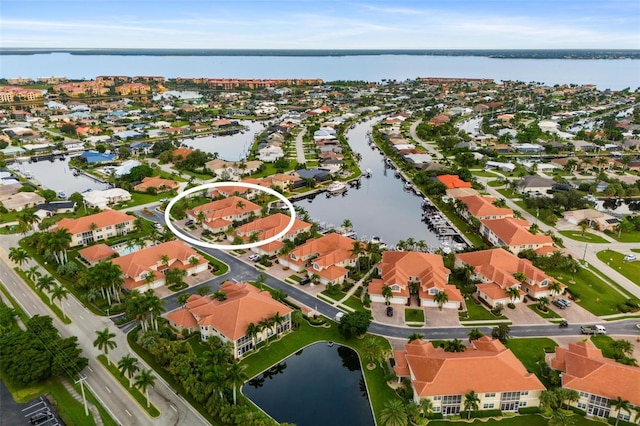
{"x": 586, "y": 238}
{"x": 483, "y": 173}
{"x": 616, "y": 260}
{"x": 333, "y": 295}
{"x": 477, "y": 312}
{"x": 414, "y": 315}
{"x": 530, "y": 350}
{"x": 509, "y": 193}
{"x": 495, "y": 183}
{"x": 133, "y": 391}
{"x": 595, "y": 295}
{"x": 626, "y": 237}
{"x": 270, "y": 355}
{"x": 355, "y": 304}
{"x": 604, "y": 344}
{"x": 138, "y": 199}
{"x": 295, "y": 277}
{"x": 549, "y": 314}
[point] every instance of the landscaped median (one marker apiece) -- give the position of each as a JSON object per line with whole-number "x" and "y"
{"x": 45, "y": 299}
{"x": 133, "y": 391}
{"x": 616, "y": 260}
{"x": 585, "y": 237}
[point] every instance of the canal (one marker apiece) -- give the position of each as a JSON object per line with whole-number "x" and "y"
{"x": 229, "y": 147}
{"x": 319, "y": 385}
{"x": 380, "y": 206}
{"x": 57, "y": 176}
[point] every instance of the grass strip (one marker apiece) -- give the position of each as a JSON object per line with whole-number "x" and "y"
{"x": 631, "y": 270}
{"x": 548, "y": 315}
{"x": 221, "y": 267}
{"x": 45, "y": 299}
{"x": 152, "y": 410}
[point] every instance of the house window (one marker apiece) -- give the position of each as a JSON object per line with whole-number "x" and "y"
{"x": 488, "y": 406}
{"x": 437, "y": 398}
{"x": 433, "y": 291}
{"x": 395, "y": 287}
{"x": 584, "y": 395}
{"x": 524, "y": 393}
{"x": 523, "y": 404}
{"x": 490, "y": 395}
{"x": 582, "y": 405}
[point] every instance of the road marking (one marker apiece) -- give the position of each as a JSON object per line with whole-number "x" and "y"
{"x": 24, "y": 294}
{"x": 108, "y": 390}
{"x": 90, "y": 369}
{"x": 32, "y": 405}
{"x": 81, "y": 317}
{"x": 34, "y": 307}
{"x": 127, "y": 411}
{"x": 174, "y": 408}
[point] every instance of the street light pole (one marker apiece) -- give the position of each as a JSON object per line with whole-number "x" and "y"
{"x": 84, "y": 398}
{"x": 585, "y": 251}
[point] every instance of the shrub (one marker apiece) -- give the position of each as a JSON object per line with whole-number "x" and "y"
{"x": 577, "y": 410}
{"x": 485, "y": 413}
{"x": 511, "y": 305}
{"x": 622, "y": 307}
{"x": 529, "y": 410}
{"x": 435, "y": 416}
{"x": 358, "y": 292}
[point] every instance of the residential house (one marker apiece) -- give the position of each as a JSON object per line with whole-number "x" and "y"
{"x": 267, "y": 227}
{"x": 232, "y": 169}
{"x": 482, "y": 208}
{"x": 418, "y": 273}
{"x": 496, "y": 269}
{"x": 598, "y": 380}
{"x": 229, "y": 319}
{"x": 514, "y": 234}
{"x": 218, "y": 216}
{"x": 535, "y": 185}
{"x": 270, "y": 153}
{"x": 55, "y": 207}
{"x": 453, "y": 182}
{"x": 105, "y": 198}
{"x": 157, "y": 184}
{"x": 145, "y": 269}
{"x": 95, "y": 253}
{"x": 21, "y": 200}
{"x": 488, "y": 368}
{"x": 597, "y": 219}
{"x": 327, "y": 256}
{"x": 96, "y": 227}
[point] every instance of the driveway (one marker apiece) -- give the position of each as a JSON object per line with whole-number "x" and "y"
{"x": 379, "y": 311}
{"x": 575, "y": 314}
{"x": 441, "y": 318}
{"x": 522, "y": 314}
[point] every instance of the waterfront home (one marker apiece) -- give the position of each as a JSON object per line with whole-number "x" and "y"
{"x": 327, "y": 257}
{"x": 266, "y": 227}
{"x": 21, "y": 200}
{"x": 482, "y": 208}
{"x": 93, "y": 157}
{"x": 105, "y": 198}
{"x": 270, "y": 153}
{"x": 229, "y": 319}
{"x": 55, "y": 207}
{"x": 232, "y": 169}
{"x": 96, "y": 227}
{"x": 156, "y": 184}
{"x": 513, "y": 234}
{"x": 596, "y": 219}
{"x": 218, "y": 216}
{"x": 487, "y": 367}
{"x": 498, "y": 270}
{"x": 598, "y": 380}
{"x": 180, "y": 154}
{"x": 145, "y": 269}
{"x": 453, "y": 181}
{"x": 409, "y": 273}
{"x": 535, "y": 185}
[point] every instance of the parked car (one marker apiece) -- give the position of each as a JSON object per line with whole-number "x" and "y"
{"x": 40, "y": 417}
{"x": 188, "y": 223}
{"x": 563, "y": 324}
{"x": 254, "y": 257}
{"x": 305, "y": 281}
{"x": 389, "y": 311}
{"x": 593, "y": 329}
{"x": 566, "y": 302}
{"x": 157, "y": 225}
{"x": 559, "y": 304}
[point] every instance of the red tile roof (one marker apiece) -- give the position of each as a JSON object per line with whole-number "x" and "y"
{"x": 453, "y": 181}
{"x": 96, "y": 252}
{"x": 515, "y": 232}
{"x": 482, "y": 207}
{"x": 100, "y": 220}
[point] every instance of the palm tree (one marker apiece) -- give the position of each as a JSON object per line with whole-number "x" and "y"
{"x": 370, "y": 350}
{"x": 475, "y": 334}
{"x": 237, "y": 377}
{"x": 266, "y": 324}
{"x": 26, "y": 219}
{"x": 426, "y": 407}
{"x": 105, "y": 341}
{"x": 543, "y": 303}
{"x": 415, "y": 336}
{"x": 347, "y": 224}
{"x": 620, "y": 405}
{"x": 550, "y": 399}
{"x": 45, "y": 282}
{"x": 637, "y": 415}
{"x": 584, "y": 225}
{"x": 556, "y": 288}
{"x": 204, "y": 290}
{"x": 441, "y": 298}
{"x": 278, "y": 320}
{"x": 471, "y": 401}
{"x": 394, "y": 414}
{"x": 219, "y": 295}
{"x": 128, "y": 366}
{"x": 183, "y": 298}
{"x": 18, "y": 255}
{"x": 387, "y": 293}
{"x": 59, "y": 242}
{"x": 621, "y": 347}
{"x": 356, "y": 251}
{"x": 33, "y": 273}
{"x": 143, "y": 381}
{"x": 561, "y": 418}
{"x": 454, "y": 345}
{"x": 513, "y": 293}
{"x": 252, "y": 330}
{"x": 59, "y": 292}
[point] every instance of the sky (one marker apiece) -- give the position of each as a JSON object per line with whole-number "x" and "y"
{"x": 321, "y": 24}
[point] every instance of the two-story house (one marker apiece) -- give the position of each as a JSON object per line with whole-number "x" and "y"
{"x": 514, "y": 234}
{"x": 229, "y": 319}
{"x": 218, "y": 216}
{"x": 96, "y": 227}
{"x": 482, "y": 208}
{"x": 488, "y": 368}
{"x": 409, "y": 273}
{"x": 145, "y": 269}
{"x": 267, "y": 227}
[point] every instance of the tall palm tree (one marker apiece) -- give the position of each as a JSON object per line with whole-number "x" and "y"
{"x": 513, "y": 293}
{"x": 59, "y": 292}
{"x": 104, "y": 341}
{"x": 556, "y": 288}
{"x": 60, "y": 241}
{"x": 237, "y": 377}
{"x": 45, "y": 283}
{"x": 394, "y": 414}
{"x": 266, "y": 324}
{"x": 543, "y": 303}
{"x": 33, "y": 273}
{"x": 154, "y": 306}
{"x": 278, "y": 320}
{"x": 475, "y": 334}
{"x": 441, "y": 298}
{"x": 415, "y": 336}
{"x": 370, "y": 350}
{"x": 356, "y": 251}
{"x": 620, "y": 405}
{"x": 426, "y": 407}
{"x": 252, "y": 331}
{"x": 26, "y": 219}
{"x": 129, "y": 366}
{"x": 144, "y": 380}
{"x": 454, "y": 345}
{"x": 183, "y": 298}
{"x": 347, "y": 224}
{"x": 387, "y": 293}
{"x": 18, "y": 255}
{"x": 471, "y": 401}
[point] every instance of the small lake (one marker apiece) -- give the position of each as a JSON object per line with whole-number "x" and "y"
{"x": 380, "y": 206}
{"x": 57, "y": 176}
{"x": 230, "y": 147}
{"x": 317, "y": 386}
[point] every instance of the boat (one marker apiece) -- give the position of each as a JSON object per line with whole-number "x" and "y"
{"x": 61, "y": 194}
{"x": 28, "y": 174}
{"x": 408, "y": 186}
{"x": 368, "y": 173}
{"x": 337, "y": 187}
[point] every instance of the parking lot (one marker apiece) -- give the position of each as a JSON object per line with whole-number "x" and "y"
{"x": 39, "y": 412}
{"x": 14, "y": 413}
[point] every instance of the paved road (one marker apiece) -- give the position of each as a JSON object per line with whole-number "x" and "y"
{"x": 300, "y": 146}
{"x": 84, "y": 325}
{"x": 429, "y": 147}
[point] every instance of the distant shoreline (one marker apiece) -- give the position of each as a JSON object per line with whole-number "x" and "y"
{"x": 579, "y": 54}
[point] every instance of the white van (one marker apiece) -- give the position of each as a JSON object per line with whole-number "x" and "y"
{"x": 630, "y": 258}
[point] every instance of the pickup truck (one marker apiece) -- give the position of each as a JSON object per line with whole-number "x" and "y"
{"x": 593, "y": 329}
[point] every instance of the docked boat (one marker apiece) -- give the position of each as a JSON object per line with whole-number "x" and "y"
{"x": 28, "y": 174}
{"x": 408, "y": 186}
{"x": 62, "y": 194}
{"x": 337, "y": 187}
{"x": 368, "y": 173}
{"x": 378, "y": 241}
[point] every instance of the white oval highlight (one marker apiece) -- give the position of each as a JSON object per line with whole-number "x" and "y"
{"x": 197, "y": 242}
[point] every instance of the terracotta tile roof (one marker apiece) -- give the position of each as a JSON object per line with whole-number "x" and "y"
{"x": 585, "y": 369}
{"x": 102, "y": 219}
{"x": 453, "y": 181}
{"x": 226, "y": 208}
{"x": 244, "y": 304}
{"x": 331, "y": 247}
{"x": 96, "y": 252}
{"x": 482, "y": 207}
{"x": 485, "y": 367}
{"x": 183, "y": 318}
{"x": 155, "y": 182}
{"x": 181, "y": 152}
{"x": 332, "y": 272}
{"x": 271, "y": 225}
{"x": 515, "y": 232}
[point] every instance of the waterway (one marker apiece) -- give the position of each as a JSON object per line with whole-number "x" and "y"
{"x": 380, "y": 206}
{"x": 320, "y": 385}
{"x": 605, "y": 74}
{"x": 57, "y": 176}
{"x": 229, "y": 147}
